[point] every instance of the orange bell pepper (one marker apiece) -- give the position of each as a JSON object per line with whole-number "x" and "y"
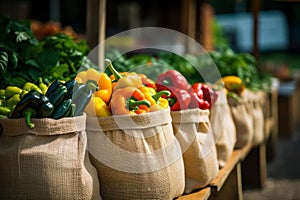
{"x": 105, "y": 87}
{"x": 128, "y": 100}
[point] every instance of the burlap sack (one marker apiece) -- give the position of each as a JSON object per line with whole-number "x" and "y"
{"x": 257, "y": 100}
{"x": 49, "y": 161}
{"x": 136, "y": 156}
{"x": 243, "y": 119}
{"x": 223, "y": 128}
{"x": 192, "y": 130}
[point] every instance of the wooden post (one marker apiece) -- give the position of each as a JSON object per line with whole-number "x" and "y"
{"x": 205, "y": 19}
{"x": 255, "y": 11}
{"x": 96, "y": 27}
{"x": 254, "y": 169}
{"x": 188, "y": 20}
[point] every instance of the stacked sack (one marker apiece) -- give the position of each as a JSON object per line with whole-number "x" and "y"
{"x": 43, "y": 147}
{"x": 131, "y": 141}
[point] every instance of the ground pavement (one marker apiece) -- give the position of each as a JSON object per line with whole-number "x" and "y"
{"x": 283, "y": 181}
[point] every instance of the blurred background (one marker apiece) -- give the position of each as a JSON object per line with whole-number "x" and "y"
{"x": 208, "y": 21}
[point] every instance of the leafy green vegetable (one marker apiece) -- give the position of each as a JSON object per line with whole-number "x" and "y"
{"x": 242, "y": 65}
{"x": 23, "y": 58}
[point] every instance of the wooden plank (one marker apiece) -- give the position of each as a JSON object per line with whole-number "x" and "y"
{"x": 245, "y": 151}
{"x": 271, "y": 143}
{"x": 269, "y": 122}
{"x": 226, "y": 170}
{"x": 202, "y": 194}
{"x": 102, "y": 34}
{"x": 232, "y": 188}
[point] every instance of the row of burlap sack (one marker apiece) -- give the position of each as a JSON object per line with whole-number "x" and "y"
{"x": 238, "y": 123}
{"x": 164, "y": 154}
{"x": 249, "y": 117}
{"x": 158, "y": 155}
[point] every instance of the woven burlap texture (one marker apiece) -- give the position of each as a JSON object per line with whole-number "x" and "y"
{"x": 192, "y": 129}
{"x": 257, "y": 101}
{"x": 223, "y": 128}
{"x": 136, "y": 156}
{"x": 243, "y": 119}
{"x": 49, "y": 161}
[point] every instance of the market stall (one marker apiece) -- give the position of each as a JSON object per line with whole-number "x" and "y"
{"x": 113, "y": 123}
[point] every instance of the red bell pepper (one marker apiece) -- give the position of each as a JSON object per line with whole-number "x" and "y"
{"x": 171, "y": 78}
{"x": 179, "y": 99}
{"x": 198, "y": 102}
{"x": 202, "y": 95}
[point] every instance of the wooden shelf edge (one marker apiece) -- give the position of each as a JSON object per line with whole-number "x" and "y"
{"x": 226, "y": 170}
{"x": 245, "y": 151}
{"x": 202, "y": 194}
{"x": 268, "y": 127}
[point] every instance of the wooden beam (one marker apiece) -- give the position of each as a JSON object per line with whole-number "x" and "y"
{"x": 255, "y": 13}
{"x": 96, "y": 27}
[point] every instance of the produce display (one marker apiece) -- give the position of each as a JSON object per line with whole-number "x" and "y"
{"x": 52, "y": 78}
{"x": 132, "y": 93}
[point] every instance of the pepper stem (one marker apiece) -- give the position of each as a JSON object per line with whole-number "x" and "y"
{"x": 132, "y": 104}
{"x": 172, "y": 101}
{"x": 92, "y": 85}
{"x": 116, "y": 74}
{"x": 160, "y": 93}
{"x": 28, "y": 114}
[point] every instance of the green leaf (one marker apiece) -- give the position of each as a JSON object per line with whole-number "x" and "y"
{"x": 3, "y": 61}
{"x": 59, "y": 71}
{"x": 32, "y": 63}
{"x": 17, "y": 81}
{"x": 48, "y": 58}
{"x": 21, "y": 36}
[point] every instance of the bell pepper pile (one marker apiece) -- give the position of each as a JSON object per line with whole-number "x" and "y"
{"x": 11, "y": 95}
{"x": 122, "y": 93}
{"x": 183, "y": 95}
{"x": 59, "y": 99}
{"x": 135, "y": 93}
{"x": 98, "y": 103}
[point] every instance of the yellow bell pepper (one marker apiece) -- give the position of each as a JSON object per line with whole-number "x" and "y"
{"x": 155, "y": 99}
{"x": 81, "y": 77}
{"x": 103, "y": 80}
{"x": 148, "y": 92}
{"x": 97, "y": 107}
{"x": 233, "y": 84}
